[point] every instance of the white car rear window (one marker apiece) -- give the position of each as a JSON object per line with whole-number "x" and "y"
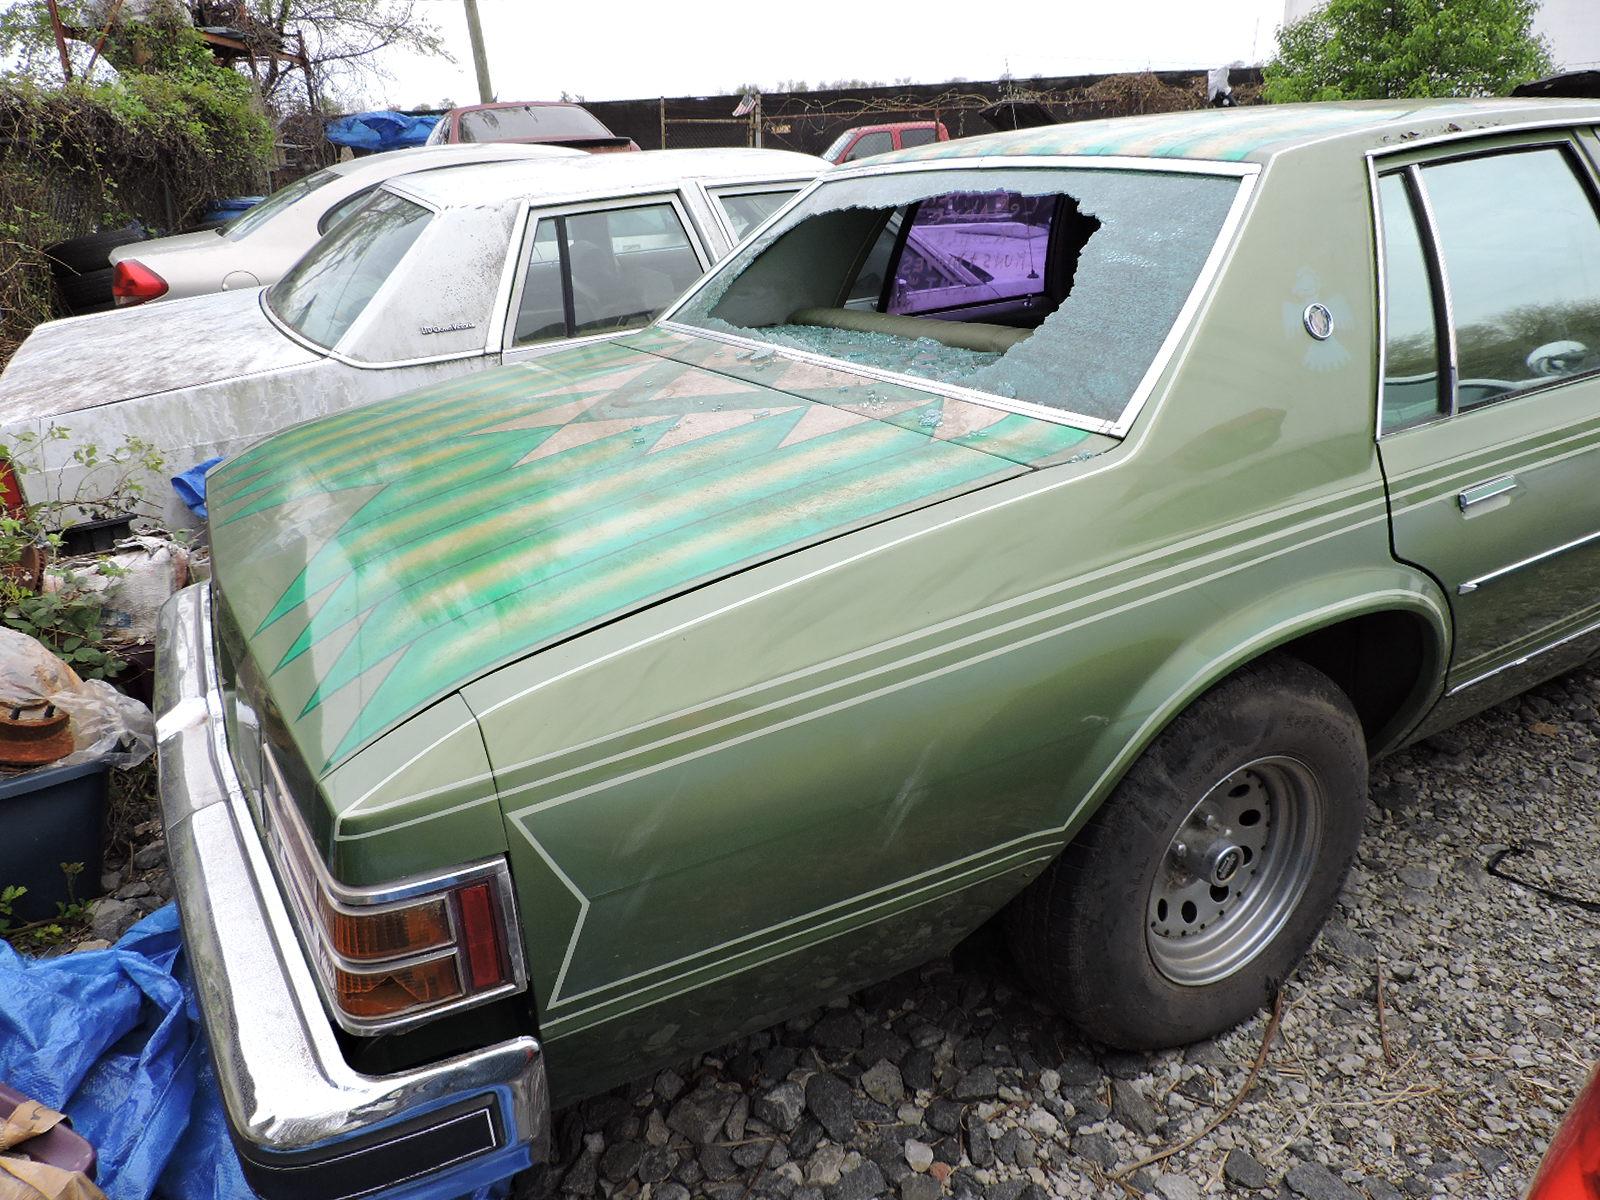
{"x": 325, "y": 292}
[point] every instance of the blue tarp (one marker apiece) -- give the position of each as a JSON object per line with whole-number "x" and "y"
{"x": 380, "y": 130}
{"x": 112, "y": 1038}
{"x": 191, "y": 486}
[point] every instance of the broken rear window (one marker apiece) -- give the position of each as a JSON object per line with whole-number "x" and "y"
{"x": 1055, "y": 287}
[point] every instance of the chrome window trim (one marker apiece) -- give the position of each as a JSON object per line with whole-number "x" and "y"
{"x": 280, "y": 819}
{"x": 1381, "y": 288}
{"x": 1570, "y": 124}
{"x": 535, "y": 213}
{"x": 1222, "y": 248}
{"x": 1429, "y": 230}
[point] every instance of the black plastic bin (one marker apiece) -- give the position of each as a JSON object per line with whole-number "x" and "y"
{"x": 50, "y": 816}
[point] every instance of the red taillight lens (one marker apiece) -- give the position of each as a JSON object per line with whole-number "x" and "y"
{"x": 12, "y": 501}
{"x": 480, "y": 936}
{"x": 1571, "y": 1167}
{"x": 133, "y": 283}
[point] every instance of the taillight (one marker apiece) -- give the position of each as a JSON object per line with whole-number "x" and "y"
{"x": 12, "y": 501}
{"x": 133, "y": 283}
{"x": 391, "y": 957}
{"x": 1571, "y": 1167}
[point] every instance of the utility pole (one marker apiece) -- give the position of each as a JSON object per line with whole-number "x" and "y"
{"x": 480, "y": 59}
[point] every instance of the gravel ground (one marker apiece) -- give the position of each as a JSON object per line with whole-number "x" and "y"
{"x": 952, "y": 1081}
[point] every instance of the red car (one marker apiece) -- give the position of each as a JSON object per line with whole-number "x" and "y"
{"x": 548, "y": 122}
{"x": 1571, "y": 1167}
{"x": 864, "y": 140}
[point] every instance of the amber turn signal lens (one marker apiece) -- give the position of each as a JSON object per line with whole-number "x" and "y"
{"x": 397, "y": 933}
{"x": 385, "y": 993}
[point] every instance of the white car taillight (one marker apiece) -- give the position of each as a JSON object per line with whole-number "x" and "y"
{"x": 394, "y": 956}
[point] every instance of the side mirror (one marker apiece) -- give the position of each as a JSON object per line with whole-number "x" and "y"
{"x": 1557, "y": 358}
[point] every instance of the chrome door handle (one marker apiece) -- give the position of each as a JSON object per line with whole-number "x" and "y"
{"x": 1480, "y": 493}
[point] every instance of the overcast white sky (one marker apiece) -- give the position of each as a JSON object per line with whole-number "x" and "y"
{"x": 623, "y": 49}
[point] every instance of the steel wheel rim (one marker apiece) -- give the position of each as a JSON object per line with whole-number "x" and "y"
{"x": 1234, "y": 871}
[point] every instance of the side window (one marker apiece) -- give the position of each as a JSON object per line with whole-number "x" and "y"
{"x": 748, "y": 210}
{"x": 343, "y": 209}
{"x": 918, "y": 137}
{"x": 542, "y": 311}
{"x": 1411, "y": 392}
{"x": 878, "y": 142}
{"x": 602, "y": 271}
{"x": 1520, "y": 244}
{"x": 627, "y": 266}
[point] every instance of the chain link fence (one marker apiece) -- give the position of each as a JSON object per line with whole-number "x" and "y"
{"x": 810, "y": 121}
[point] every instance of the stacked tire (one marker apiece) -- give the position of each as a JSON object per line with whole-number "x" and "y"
{"x": 83, "y": 271}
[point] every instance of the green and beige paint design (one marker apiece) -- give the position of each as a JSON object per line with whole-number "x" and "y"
{"x": 378, "y": 559}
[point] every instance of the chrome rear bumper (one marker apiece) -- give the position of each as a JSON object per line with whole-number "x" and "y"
{"x": 306, "y": 1124}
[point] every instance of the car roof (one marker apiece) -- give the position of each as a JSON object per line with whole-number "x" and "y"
{"x": 426, "y": 158}
{"x": 1255, "y": 133}
{"x": 599, "y": 174}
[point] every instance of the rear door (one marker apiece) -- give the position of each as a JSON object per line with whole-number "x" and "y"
{"x": 1490, "y": 407}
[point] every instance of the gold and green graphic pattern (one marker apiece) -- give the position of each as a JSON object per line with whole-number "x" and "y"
{"x": 379, "y": 558}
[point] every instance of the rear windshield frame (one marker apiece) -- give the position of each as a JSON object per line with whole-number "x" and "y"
{"x": 1246, "y": 173}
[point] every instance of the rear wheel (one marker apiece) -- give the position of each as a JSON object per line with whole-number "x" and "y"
{"x": 1207, "y": 873}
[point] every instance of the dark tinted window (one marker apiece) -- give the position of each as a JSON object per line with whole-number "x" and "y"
{"x": 871, "y": 143}
{"x": 548, "y": 122}
{"x": 542, "y": 313}
{"x": 1411, "y": 350}
{"x": 918, "y": 137}
{"x": 1521, "y": 248}
{"x": 627, "y": 266}
{"x": 623, "y": 266}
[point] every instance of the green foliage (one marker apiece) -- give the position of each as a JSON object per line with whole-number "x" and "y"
{"x": 171, "y": 132}
{"x": 9, "y": 895}
{"x": 1383, "y": 49}
{"x": 69, "y": 622}
{"x": 70, "y": 919}
{"x": 70, "y": 619}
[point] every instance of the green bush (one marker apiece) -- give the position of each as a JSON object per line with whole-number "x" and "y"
{"x": 172, "y": 132}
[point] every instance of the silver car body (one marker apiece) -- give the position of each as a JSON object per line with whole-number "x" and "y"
{"x": 257, "y": 247}
{"x": 212, "y": 374}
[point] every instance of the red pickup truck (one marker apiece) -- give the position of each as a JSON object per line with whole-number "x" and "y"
{"x": 863, "y": 140}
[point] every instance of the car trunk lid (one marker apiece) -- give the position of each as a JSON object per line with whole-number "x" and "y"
{"x": 378, "y": 560}
{"x": 83, "y": 362}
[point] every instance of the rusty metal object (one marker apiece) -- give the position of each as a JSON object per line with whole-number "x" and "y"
{"x": 34, "y": 735}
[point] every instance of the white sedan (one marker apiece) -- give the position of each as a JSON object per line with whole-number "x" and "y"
{"x": 264, "y": 241}
{"x": 435, "y": 275}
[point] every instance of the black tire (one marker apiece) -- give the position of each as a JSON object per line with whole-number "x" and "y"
{"x": 1081, "y": 932}
{"x": 89, "y": 292}
{"x": 91, "y": 252}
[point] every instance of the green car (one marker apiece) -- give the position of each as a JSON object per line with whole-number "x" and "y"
{"x": 1056, "y": 522}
